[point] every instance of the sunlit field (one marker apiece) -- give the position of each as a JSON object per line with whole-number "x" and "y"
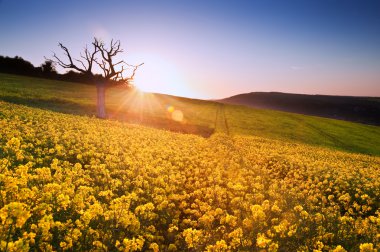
{"x": 194, "y": 126}
{"x": 122, "y": 104}
{"x": 190, "y": 115}
{"x": 166, "y": 173}
{"x": 76, "y": 183}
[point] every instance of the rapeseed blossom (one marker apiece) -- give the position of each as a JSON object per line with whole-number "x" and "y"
{"x": 77, "y": 183}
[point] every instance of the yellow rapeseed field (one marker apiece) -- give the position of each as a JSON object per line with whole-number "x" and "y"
{"x": 72, "y": 183}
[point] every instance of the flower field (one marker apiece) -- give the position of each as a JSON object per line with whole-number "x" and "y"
{"x": 76, "y": 183}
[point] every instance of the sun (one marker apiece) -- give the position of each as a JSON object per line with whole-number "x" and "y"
{"x": 161, "y": 75}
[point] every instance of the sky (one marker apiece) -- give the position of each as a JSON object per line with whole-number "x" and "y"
{"x": 212, "y": 49}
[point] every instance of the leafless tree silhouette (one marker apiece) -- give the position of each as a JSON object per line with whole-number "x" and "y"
{"x": 105, "y": 58}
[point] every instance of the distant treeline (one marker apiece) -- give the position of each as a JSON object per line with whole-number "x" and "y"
{"x": 19, "y": 66}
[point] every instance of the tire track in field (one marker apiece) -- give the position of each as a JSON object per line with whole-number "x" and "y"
{"x": 221, "y": 125}
{"x": 326, "y": 135}
{"x": 331, "y": 137}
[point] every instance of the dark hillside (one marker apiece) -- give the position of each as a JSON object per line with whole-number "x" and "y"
{"x": 356, "y": 109}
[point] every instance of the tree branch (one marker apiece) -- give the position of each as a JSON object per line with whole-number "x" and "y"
{"x": 134, "y": 70}
{"x": 107, "y": 54}
{"x": 111, "y": 70}
{"x": 89, "y": 57}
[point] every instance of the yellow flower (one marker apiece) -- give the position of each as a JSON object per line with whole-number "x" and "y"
{"x": 339, "y": 249}
{"x": 14, "y": 213}
{"x": 275, "y": 208}
{"x": 192, "y": 237}
{"x": 367, "y": 247}
{"x": 134, "y": 244}
{"x": 262, "y": 241}
{"x": 172, "y": 247}
{"x": 304, "y": 214}
{"x": 219, "y": 246}
{"x": 154, "y": 247}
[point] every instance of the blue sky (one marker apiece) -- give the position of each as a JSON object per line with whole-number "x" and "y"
{"x": 213, "y": 49}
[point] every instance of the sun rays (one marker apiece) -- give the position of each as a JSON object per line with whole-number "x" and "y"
{"x": 137, "y": 105}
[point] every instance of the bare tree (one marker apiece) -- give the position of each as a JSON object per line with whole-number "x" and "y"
{"x": 112, "y": 71}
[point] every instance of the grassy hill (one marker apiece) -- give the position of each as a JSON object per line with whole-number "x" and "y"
{"x": 199, "y": 117}
{"x": 122, "y": 104}
{"x": 356, "y": 109}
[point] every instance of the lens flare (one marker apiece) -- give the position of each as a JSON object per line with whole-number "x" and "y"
{"x": 174, "y": 114}
{"x": 170, "y": 109}
{"x": 177, "y": 115}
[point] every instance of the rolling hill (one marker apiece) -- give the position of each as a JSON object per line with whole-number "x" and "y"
{"x": 200, "y": 117}
{"x": 356, "y": 109}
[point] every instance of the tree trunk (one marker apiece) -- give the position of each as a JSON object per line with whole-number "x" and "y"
{"x": 101, "y": 99}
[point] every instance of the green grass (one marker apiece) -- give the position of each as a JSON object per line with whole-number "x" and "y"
{"x": 148, "y": 109}
{"x": 336, "y": 134}
{"x": 200, "y": 117}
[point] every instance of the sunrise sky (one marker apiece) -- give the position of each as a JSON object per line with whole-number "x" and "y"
{"x": 213, "y": 49}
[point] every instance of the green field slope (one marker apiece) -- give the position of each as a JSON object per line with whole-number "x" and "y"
{"x": 320, "y": 131}
{"x": 126, "y": 105}
{"x": 199, "y": 117}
